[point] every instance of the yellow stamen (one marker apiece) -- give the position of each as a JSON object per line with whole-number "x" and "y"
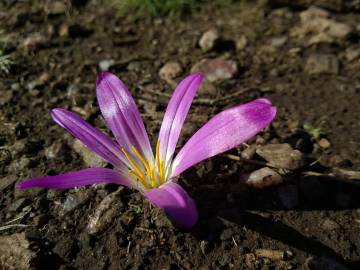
{"x": 157, "y": 154}
{"x": 159, "y": 162}
{"x": 152, "y": 176}
{"x": 140, "y": 175}
{"x": 146, "y": 185}
{"x": 144, "y": 162}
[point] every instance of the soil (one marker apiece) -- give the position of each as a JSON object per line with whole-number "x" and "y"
{"x": 56, "y": 55}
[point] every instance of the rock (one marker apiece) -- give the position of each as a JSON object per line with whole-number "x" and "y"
{"x": 34, "y": 42}
{"x": 7, "y": 181}
{"x": 289, "y": 196}
{"x": 53, "y": 150}
{"x": 90, "y": 158}
{"x": 204, "y": 247}
{"x": 352, "y": 54}
{"x": 250, "y": 260}
{"x": 5, "y": 156}
{"x": 75, "y": 200}
{"x": 322, "y": 64}
{"x": 207, "y": 89}
{"x": 15, "y": 252}
{"x": 209, "y": 40}
{"x": 105, "y": 212}
{"x": 170, "y": 71}
{"x": 263, "y": 177}
{"x": 346, "y": 174}
{"x": 5, "y": 97}
{"x": 270, "y": 254}
{"x": 320, "y": 28}
{"x": 241, "y": 43}
{"x": 324, "y": 143}
{"x": 18, "y": 204}
{"x": 278, "y": 41}
{"x": 281, "y": 156}
{"x": 55, "y": 7}
{"x": 19, "y": 165}
{"x": 217, "y": 69}
{"x": 248, "y": 152}
{"x": 105, "y": 64}
{"x": 313, "y": 12}
{"x": 19, "y": 147}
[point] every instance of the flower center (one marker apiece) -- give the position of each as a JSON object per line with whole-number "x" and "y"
{"x": 150, "y": 175}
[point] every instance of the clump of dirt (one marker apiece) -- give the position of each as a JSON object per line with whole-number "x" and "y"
{"x": 309, "y": 220}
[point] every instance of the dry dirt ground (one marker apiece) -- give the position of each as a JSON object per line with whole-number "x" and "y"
{"x": 305, "y": 60}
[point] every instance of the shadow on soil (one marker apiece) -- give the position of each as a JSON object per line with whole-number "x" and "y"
{"x": 314, "y": 193}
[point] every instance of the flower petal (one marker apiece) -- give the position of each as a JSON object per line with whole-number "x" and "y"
{"x": 176, "y": 202}
{"x": 225, "y": 131}
{"x": 76, "y": 179}
{"x": 175, "y": 114}
{"x": 94, "y": 139}
{"x": 121, "y": 114}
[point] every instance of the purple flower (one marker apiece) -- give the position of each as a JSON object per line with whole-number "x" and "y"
{"x": 135, "y": 165}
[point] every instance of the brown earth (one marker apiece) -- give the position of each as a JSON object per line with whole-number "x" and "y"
{"x": 310, "y": 221}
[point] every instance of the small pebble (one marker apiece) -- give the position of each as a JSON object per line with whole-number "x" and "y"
{"x": 209, "y": 40}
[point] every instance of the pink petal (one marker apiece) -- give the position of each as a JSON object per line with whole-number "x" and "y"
{"x": 77, "y": 179}
{"x": 224, "y": 131}
{"x": 176, "y": 202}
{"x": 121, "y": 114}
{"x": 175, "y": 114}
{"x": 94, "y": 139}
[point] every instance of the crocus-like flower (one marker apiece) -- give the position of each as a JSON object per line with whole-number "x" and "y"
{"x": 134, "y": 163}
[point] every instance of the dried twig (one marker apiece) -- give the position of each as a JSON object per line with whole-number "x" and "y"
{"x": 6, "y": 227}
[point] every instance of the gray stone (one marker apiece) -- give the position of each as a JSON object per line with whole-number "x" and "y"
{"x": 5, "y": 97}
{"x": 75, "y": 200}
{"x": 248, "y": 152}
{"x": 34, "y": 42}
{"x": 18, "y": 204}
{"x": 54, "y": 150}
{"x": 7, "y": 181}
{"x": 19, "y": 165}
{"x": 263, "y": 177}
{"x": 278, "y": 41}
{"x": 55, "y": 7}
{"x": 352, "y": 54}
{"x": 204, "y": 247}
{"x": 209, "y": 40}
{"x": 322, "y": 64}
{"x": 241, "y": 43}
{"x": 217, "y": 69}
{"x": 90, "y": 158}
{"x": 15, "y": 252}
{"x": 281, "y": 156}
{"x": 105, "y": 64}
{"x": 104, "y": 213}
{"x": 207, "y": 89}
{"x": 170, "y": 71}
{"x": 318, "y": 27}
